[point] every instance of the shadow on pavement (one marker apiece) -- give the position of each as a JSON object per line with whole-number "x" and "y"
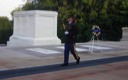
{"x": 57, "y": 67}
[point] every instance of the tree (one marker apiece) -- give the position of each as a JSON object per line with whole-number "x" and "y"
{"x": 5, "y": 30}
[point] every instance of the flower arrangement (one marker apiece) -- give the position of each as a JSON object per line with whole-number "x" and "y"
{"x": 96, "y": 30}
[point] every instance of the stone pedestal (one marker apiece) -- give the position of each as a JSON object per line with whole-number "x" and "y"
{"x": 125, "y": 34}
{"x": 33, "y": 28}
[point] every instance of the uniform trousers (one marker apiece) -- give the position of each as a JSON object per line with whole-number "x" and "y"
{"x": 69, "y": 47}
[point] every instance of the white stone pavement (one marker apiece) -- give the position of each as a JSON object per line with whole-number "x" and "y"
{"x": 22, "y": 57}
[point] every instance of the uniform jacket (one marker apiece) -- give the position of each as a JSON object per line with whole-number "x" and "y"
{"x": 72, "y": 32}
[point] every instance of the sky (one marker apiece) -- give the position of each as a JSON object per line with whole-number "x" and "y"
{"x": 7, "y": 6}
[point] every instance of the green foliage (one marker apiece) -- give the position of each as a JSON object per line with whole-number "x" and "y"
{"x": 28, "y": 6}
{"x": 5, "y": 30}
{"x": 110, "y": 15}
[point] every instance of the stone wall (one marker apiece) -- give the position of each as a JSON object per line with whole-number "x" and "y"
{"x": 125, "y": 34}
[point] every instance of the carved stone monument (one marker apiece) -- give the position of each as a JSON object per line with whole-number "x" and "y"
{"x": 125, "y": 34}
{"x": 33, "y": 28}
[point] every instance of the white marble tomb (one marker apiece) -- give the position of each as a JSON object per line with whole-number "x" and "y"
{"x": 33, "y": 28}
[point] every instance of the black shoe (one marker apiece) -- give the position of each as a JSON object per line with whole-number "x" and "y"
{"x": 78, "y": 60}
{"x": 64, "y": 64}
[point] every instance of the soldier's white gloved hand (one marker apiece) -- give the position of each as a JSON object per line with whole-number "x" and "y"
{"x": 66, "y": 32}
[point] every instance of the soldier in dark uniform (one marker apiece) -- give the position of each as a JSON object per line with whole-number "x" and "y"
{"x": 70, "y": 38}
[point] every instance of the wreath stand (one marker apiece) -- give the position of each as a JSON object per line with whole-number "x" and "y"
{"x": 96, "y": 32}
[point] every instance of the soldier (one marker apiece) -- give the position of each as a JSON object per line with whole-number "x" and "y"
{"x": 70, "y": 39}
